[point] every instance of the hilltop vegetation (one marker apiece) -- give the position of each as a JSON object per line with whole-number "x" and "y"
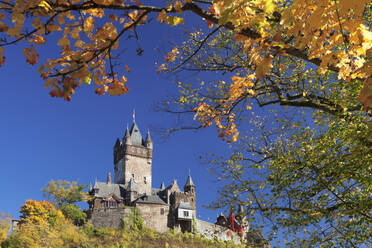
{"x": 44, "y": 225}
{"x": 68, "y": 235}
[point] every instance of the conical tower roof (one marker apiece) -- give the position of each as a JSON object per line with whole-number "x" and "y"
{"x": 148, "y": 137}
{"x": 162, "y": 186}
{"x": 189, "y": 181}
{"x": 127, "y": 138}
{"x": 135, "y": 135}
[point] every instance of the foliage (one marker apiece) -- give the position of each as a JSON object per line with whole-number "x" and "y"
{"x": 133, "y": 221}
{"x": 303, "y": 161}
{"x": 68, "y": 235}
{"x": 74, "y": 213}
{"x": 332, "y": 35}
{"x": 64, "y": 192}
{"x": 42, "y": 212}
{"x": 5, "y": 226}
{"x": 41, "y": 234}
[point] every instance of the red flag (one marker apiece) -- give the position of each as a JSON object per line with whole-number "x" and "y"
{"x": 134, "y": 114}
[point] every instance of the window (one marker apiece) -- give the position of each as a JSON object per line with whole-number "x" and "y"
{"x": 162, "y": 211}
{"x": 186, "y": 213}
{"x": 110, "y": 204}
{"x": 133, "y": 176}
{"x": 144, "y": 180}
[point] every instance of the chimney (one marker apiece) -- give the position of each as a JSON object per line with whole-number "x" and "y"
{"x": 109, "y": 178}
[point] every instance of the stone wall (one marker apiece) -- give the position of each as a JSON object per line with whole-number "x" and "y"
{"x": 108, "y": 217}
{"x": 211, "y": 231}
{"x": 140, "y": 168}
{"x": 154, "y": 216}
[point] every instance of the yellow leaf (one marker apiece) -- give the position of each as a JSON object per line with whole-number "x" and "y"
{"x": 174, "y": 20}
{"x": 63, "y": 42}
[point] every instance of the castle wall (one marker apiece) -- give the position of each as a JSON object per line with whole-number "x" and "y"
{"x": 109, "y": 217}
{"x": 211, "y": 231}
{"x": 154, "y": 217}
{"x": 184, "y": 197}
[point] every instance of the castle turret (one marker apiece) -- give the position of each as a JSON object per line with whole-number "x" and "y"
{"x": 189, "y": 186}
{"x": 127, "y": 139}
{"x": 148, "y": 141}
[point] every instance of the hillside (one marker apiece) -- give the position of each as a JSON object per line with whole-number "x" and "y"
{"x": 33, "y": 235}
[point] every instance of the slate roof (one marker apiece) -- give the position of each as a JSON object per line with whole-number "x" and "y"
{"x": 185, "y": 205}
{"x": 150, "y": 199}
{"x": 189, "y": 182}
{"x": 148, "y": 138}
{"x": 135, "y": 135}
{"x": 105, "y": 189}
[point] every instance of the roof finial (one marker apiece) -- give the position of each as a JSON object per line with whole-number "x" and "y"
{"x": 189, "y": 172}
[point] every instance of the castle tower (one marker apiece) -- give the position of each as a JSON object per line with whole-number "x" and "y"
{"x": 189, "y": 189}
{"x": 135, "y": 160}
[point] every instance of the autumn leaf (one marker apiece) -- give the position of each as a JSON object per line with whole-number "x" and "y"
{"x": 31, "y": 55}
{"x": 174, "y": 20}
{"x": 264, "y": 67}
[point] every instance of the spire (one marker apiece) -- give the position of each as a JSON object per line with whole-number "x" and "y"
{"x": 148, "y": 142}
{"x": 127, "y": 138}
{"x": 95, "y": 184}
{"x": 189, "y": 186}
{"x": 162, "y": 186}
{"x": 109, "y": 178}
{"x": 189, "y": 181}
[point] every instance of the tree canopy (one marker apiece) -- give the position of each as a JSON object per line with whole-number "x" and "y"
{"x": 301, "y": 166}
{"x": 332, "y": 35}
{"x": 63, "y": 192}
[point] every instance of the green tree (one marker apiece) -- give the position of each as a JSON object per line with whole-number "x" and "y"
{"x": 64, "y": 192}
{"x": 74, "y": 213}
{"x": 303, "y": 160}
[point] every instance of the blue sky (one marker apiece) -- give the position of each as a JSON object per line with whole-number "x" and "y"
{"x": 44, "y": 138}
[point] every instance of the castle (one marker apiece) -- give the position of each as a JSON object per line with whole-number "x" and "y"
{"x": 161, "y": 208}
